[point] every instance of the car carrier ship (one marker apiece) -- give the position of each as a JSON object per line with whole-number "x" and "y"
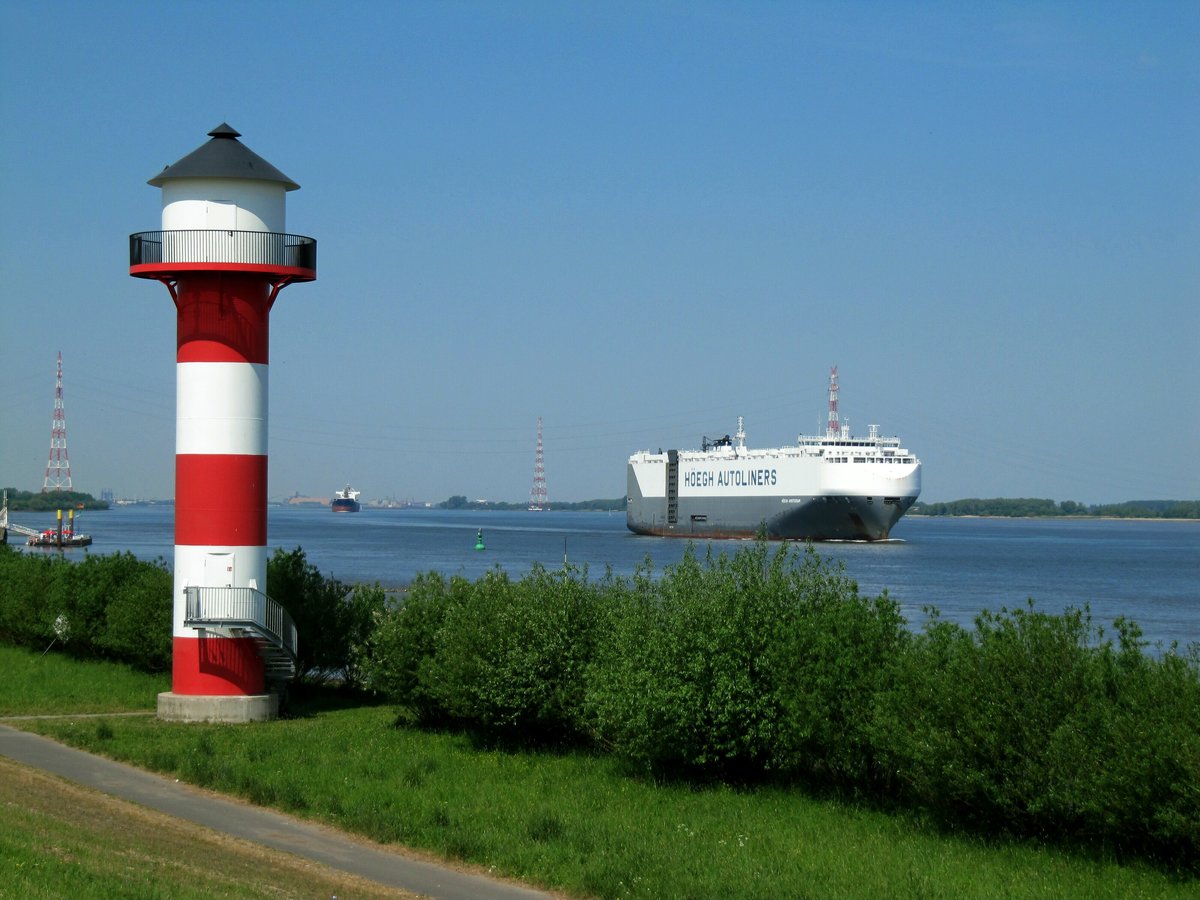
{"x": 825, "y": 488}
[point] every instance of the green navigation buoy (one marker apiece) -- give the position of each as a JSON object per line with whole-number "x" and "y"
{"x": 479, "y": 539}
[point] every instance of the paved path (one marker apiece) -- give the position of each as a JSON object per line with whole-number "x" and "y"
{"x": 252, "y": 823}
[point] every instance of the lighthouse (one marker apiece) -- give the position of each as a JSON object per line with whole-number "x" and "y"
{"x": 224, "y": 254}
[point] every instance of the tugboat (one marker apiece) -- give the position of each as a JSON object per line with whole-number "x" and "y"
{"x": 60, "y": 536}
{"x": 345, "y": 501}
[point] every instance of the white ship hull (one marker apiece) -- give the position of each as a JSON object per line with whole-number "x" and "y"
{"x": 832, "y": 488}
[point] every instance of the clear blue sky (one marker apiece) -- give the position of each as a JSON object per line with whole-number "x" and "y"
{"x": 636, "y": 220}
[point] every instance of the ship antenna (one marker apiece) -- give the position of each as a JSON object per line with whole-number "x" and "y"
{"x": 833, "y": 429}
{"x": 741, "y": 434}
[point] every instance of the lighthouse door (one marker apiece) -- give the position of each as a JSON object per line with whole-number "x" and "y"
{"x": 218, "y": 570}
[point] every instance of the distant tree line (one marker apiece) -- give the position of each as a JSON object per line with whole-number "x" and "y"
{"x": 1028, "y": 507}
{"x": 458, "y": 501}
{"x": 28, "y": 501}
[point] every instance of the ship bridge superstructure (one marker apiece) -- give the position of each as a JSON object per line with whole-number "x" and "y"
{"x": 843, "y": 447}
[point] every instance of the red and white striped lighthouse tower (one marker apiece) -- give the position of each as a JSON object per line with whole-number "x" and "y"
{"x": 224, "y": 254}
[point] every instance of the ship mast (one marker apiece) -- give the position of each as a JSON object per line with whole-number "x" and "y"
{"x": 833, "y": 429}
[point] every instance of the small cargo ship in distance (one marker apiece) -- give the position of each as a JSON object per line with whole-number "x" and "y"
{"x": 345, "y": 501}
{"x": 825, "y": 488}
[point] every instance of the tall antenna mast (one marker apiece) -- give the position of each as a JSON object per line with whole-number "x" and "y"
{"x": 538, "y": 499}
{"x": 58, "y": 461}
{"x": 834, "y": 428}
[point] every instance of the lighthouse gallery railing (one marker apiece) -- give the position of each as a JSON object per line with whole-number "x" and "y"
{"x": 222, "y": 246}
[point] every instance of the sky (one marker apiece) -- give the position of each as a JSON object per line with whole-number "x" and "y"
{"x": 637, "y": 221}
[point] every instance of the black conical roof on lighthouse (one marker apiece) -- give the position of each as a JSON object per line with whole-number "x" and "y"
{"x": 223, "y": 157}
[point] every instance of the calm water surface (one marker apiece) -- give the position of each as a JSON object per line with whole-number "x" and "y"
{"x": 1146, "y": 570}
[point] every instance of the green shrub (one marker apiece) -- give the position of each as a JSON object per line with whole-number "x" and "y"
{"x": 743, "y": 666}
{"x": 1126, "y": 767}
{"x": 1033, "y": 725}
{"x": 835, "y": 653}
{"x": 25, "y": 579}
{"x": 79, "y": 593}
{"x": 403, "y": 641}
{"x": 137, "y": 624}
{"x": 679, "y": 683}
{"x": 509, "y": 657}
{"x": 112, "y": 606}
{"x": 334, "y": 621}
{"x": 975, "y": 714}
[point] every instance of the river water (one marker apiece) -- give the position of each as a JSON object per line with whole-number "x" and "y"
{"x": 1146, "y": 570}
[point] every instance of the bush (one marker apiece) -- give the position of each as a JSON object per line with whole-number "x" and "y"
{"x": 1125, "y": 766}
{"x": 744, "y": 666}
{"x": 25, "y": 581}
{"x": 836, "y": 652}
{"x": 977, "y": 713}
{"x": 113, "y": 606}
{"x": 1034, "y": 725}
{"x": 138, "y": 619}
{"x": 509, "y": 657}
{"x": 505, "y": 659}
{"x": 403, "y": 641}
{"x": 681, "y": 681}
{"x": 334, "y": 621}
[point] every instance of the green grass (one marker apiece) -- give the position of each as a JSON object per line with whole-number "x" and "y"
{"x": 35, "y": 683}
{"x": 60, "y": 840}
{"x": 572, "y": 822}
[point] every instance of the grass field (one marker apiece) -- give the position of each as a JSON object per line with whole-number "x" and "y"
{"x": 60, "y": 840}
{"x": 569, "y": 822}
{"x": 50, "y": 683}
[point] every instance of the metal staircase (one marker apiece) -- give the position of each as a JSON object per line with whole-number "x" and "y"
{"x": 247, "y": 612}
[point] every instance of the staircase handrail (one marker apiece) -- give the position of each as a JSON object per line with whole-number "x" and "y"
{"x": 242, "y": 607}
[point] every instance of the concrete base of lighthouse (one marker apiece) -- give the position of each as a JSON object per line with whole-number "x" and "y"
{"x": 174, "y": 707}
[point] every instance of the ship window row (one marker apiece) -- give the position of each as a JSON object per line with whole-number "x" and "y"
{"x": 870, "y": 459}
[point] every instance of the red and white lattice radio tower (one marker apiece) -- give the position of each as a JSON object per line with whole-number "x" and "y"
{"x": 58, "y": 466}
{"x": 834, "y": 428}
{"x": 538, "y": 499}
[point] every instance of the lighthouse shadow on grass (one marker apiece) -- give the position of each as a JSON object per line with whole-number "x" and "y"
{"x": 304, "y": 700}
